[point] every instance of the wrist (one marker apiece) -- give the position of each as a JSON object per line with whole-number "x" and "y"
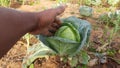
{"x": 32, "y": 20}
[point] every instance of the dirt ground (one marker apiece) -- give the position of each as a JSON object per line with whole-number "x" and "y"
{"x": 13, "y": 59}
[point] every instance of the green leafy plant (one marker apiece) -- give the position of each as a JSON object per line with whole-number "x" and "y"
{"x": 115, "y": 29}
{"x": 92, "y": 2}
{"x": 86, "y": 11}
{"x": 110, "y": 19}
{"x": 68, "y": 42}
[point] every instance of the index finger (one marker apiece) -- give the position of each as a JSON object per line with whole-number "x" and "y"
{"x": 60, "y": 9}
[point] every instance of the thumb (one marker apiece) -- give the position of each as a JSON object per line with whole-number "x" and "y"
{"x": 60, "y": 9}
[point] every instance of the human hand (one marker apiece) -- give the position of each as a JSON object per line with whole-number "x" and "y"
{"x": 48, "y": 22}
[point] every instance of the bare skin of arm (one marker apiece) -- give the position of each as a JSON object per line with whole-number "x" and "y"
{"x": 14, "y": 24}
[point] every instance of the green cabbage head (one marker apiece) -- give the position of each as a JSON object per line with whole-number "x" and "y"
{"x": 68, "y": 31}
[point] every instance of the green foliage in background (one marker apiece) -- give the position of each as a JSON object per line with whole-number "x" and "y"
{"x": 113, "y": 2}
{"x": 111, "y": 19}
{"x": 5, "y": 3}
{"x": 101, "y": 2}
{"x": 92, "y": 2}
{"x": 8, "y": 3}
{"x": 62, "y": 1}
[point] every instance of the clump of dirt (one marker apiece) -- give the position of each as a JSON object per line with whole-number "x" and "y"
{"x": 14, "y": 57}
{"x": 51, "y": 62}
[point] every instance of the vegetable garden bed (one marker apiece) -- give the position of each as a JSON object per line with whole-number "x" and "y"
{"x": 102, "y": 50}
